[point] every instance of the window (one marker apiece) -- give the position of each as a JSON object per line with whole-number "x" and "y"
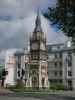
{"x": 60, "y": 64}
{"x": 43, "y": 82}
{"x": 18, "y": 73}
{"x": 55, "y": 55}
{"x": 55, "y": 64}
{"x": 58, "y": 47}
{"x": 19, "y": 65}
{"x": 69, "y": 82}
{"x": 60, "y": 55}
{"x": 23, "y": 72}
{"x": 60, "y": 81}
{"x": 60, "y": 73}
{"x": 69, "y": 59}
{"x": 69, "y": 73}
{"x": 55, "y": 73}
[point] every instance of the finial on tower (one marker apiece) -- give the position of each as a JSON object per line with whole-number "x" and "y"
{"x": 38, "y": 27}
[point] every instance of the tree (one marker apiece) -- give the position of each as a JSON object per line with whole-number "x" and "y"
{"x": 63, "y": 15}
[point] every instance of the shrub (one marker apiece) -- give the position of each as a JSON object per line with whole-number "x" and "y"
{"x": 57, "y": 87}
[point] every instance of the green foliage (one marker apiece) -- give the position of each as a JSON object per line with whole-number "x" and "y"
{"x": 17, "y": 88}
{"x": 57, "y": 87}
{"x": 22, "y": 88}
{"x": 64, "y": 16}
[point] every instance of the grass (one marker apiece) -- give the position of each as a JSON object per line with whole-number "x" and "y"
{"x": 22, "y": 88}
{"x": 30, "y": 90}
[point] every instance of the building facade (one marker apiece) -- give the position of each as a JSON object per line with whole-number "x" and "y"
{"x": 61, "y": 65}
{"x": 13, "y": 67}
{"x": 38, "y": 72}
{"x": 10, "y": 67}
{"x": 55, "y": 64}
{"x": 29, "y": 68}
{"x": 42, "y": 65}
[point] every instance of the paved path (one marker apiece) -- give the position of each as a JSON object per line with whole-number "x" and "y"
{"x": 17, "y": 98}
{"x": 51, "y": 97}
{"x": 66, "y": 95}
{"x": 2, "y": 90}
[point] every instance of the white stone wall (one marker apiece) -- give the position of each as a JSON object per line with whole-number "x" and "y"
{"x": 67, "y": 68}
{"x": 11, "y": 77}
{"x": 73, "y": 70}
{"x": 64, "y": 61}
{"x": 10, "y": 67}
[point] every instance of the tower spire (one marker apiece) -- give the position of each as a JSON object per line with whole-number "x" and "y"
{"x": 38, "y": 27}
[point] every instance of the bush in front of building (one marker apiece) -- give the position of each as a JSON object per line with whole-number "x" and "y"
{"x": 57, "y": 87}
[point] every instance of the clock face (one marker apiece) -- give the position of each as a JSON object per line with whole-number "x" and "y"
{"x": 42, "y": 46}
{"x": 34, "y": 46}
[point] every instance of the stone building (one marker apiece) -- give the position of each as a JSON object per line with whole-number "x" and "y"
{"x": 10, "y": 67}
{"x": 38, "y": 72}
{"x": 13, "y": 67}
{"x": 55, "y": 63}
{"x": 61, "y": 65}
{"x": 30, "y": 67}
{"x": 42, "y": 65}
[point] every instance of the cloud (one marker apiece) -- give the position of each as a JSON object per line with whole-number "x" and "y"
{"x": 11, "y": 34}
{"x": 20, "y": 8}
{"x": 17, "y": 21}
{"x": 16, "y": 33}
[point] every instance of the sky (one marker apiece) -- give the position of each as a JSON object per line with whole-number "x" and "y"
{"x": 17, "y": 22}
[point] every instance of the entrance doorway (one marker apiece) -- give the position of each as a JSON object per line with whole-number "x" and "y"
{"x": 43, "y": 83}
{"x": 34, "y": 82}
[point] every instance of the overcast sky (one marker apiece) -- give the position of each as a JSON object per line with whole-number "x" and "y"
{"x": 17, "y": 21}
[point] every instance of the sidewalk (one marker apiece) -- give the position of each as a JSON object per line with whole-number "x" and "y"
{"x": 3, "y": 90}
{"x": 58, "y": 93}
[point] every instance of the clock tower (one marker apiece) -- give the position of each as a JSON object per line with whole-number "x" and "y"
{"x": 38, "y": 74}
